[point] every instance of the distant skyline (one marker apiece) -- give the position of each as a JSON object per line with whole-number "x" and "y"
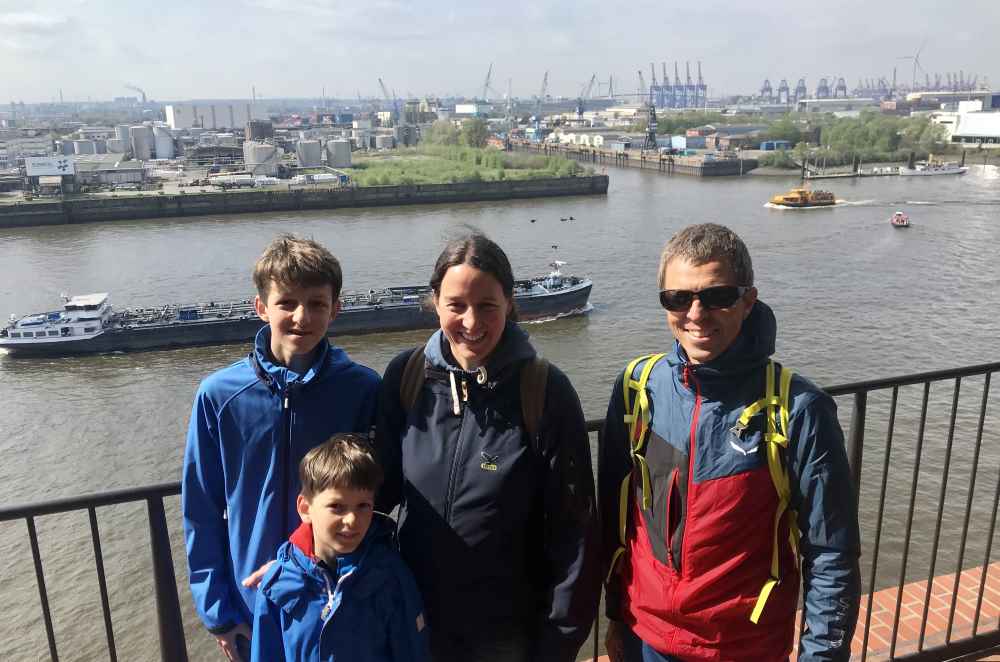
{"x": 191, "y": 50}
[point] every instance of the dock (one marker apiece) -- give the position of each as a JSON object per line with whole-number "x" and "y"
{"x": 702, "y": 165}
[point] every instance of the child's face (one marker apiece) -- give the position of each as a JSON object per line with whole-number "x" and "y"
{"x": 298, "y": 317}
{"x": 340, "y": 517}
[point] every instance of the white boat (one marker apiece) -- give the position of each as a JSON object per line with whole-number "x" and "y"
{"x": 927, "y": 168}
{"x": 899, "y": 220}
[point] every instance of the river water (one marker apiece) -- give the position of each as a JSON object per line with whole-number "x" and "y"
{"x": 855, "y": 299}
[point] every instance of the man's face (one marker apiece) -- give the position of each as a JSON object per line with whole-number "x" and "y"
{"x": 340, "y": 518}
{"x": 705, "y": 333}
{"x": 298, "y": 317}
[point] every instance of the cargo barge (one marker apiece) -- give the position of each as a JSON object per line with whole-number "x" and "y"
{"x": 88, "y": 324}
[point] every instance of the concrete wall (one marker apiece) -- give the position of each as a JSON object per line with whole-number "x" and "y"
{"x": 96, "y": 209}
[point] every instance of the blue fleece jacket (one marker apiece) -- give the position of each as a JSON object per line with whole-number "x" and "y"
{"x": 365, "y": 611}
{"x": 251, "y": 424}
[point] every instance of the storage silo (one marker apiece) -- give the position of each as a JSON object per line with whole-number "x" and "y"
{"x": 116, "y": 146}
{"x": 84, "y": 147}
{"x": 310, "y": 153}
{"x": 122, "y": 134}
{"x": 338, "y": 154}
{"x": 101, "y": 145}
{"x": 64, "y": 147}
{"x": 384, "y": 142}
{"x": 163, "y": 142}
{"x": 141, "y": 139}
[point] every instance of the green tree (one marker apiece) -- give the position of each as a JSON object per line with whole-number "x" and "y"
{"x": 475, "y": 132}
{"x": 442, "y": 132}
{"x": 784, "y": 129}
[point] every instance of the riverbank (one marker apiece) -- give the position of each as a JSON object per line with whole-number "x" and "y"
{"x": 92, "y": 209}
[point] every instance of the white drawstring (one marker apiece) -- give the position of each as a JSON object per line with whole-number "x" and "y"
{"x": 455, "y": 406}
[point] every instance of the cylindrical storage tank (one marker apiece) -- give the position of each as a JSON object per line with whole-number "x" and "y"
{"x": 101, "y": 145}
{"x": 310, "y": 153}
{"x": 65, "y": 147}
{"x": 338, "y": 154}
{"x": 163, "y": 142}
{"x": 122, "y": 134}
{"x": 115, "y": 146}
{"x": 84, "y": 147}
{"x": 141, "y": 138}
{"x": 384, "y": 142}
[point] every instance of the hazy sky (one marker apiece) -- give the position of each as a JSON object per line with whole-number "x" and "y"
{"x": 293, "y": 48}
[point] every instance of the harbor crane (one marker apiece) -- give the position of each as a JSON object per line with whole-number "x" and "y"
{"x": 541, "y": 99}
{"x": 585, "y": 95}
{"x": 391, "y": 100}
{"x": 129, "y": 86}
{"x": 486, "y": 84}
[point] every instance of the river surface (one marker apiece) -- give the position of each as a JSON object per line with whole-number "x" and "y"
{"x": 855, "y": 299}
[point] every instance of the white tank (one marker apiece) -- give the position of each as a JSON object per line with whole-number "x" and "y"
{"x": 384, "y": 142}
{"x": 102, "y": 145}
{"x": 338, "y": 154}
{"x": 141, "y": 138}
{"x": 121, "y": 133}
{"x": 164, "y": 142}
{"x": 261, "y": 158}
{"x": 310, "y": 153}
{"x": 84, "y": 147}
{"x": 64, "y": 147}
{"x": 116, "y": 146}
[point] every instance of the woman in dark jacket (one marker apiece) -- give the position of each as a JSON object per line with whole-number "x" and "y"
{"x": 498, "y": 528}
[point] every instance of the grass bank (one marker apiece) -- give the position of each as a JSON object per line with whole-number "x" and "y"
{"x": 439, "y": 164}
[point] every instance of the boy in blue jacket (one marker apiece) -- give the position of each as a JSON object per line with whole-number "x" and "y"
{"x": 339, "y": 592}
{"x": 253, "y": 422}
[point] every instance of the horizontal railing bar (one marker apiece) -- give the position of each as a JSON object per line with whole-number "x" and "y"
{"x": 954, "y": 649}
{"x": 89, "y": 501}
{"x": 908, "y": 380}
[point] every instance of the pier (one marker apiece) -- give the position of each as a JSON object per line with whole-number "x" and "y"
{"x": 929, "y": 612}
{"x": 704, "y": 165}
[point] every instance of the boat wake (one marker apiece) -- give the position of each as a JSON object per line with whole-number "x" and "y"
{"x": 918, "y": 202}
{"x": 570, "y": 313}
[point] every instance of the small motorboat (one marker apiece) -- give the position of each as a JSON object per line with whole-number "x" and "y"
{"x": 899, "y": 220}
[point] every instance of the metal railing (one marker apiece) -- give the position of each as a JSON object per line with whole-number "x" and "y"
{"x": 168, "y": 613}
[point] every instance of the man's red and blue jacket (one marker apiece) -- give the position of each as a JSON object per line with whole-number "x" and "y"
{"x": 696, "y": 560}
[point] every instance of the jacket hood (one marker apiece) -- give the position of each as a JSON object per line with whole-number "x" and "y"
{"x": 513, "y": 348}
{"x": 750, "y": 350}
{"x": 328, "y": 360}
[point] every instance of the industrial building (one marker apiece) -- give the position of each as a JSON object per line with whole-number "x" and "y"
{"x": 234, "y": 115}
{"x": 839, "y": 106}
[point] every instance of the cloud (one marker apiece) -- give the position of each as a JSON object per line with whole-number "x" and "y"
{"x": 33, "y": 23}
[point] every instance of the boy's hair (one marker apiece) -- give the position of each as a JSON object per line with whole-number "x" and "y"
{"x": 709, "y": 242}
{"x": 289, "y": 260}
{"x": 344, "y": 460}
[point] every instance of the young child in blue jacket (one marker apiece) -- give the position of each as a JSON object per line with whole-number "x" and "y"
{"x": 252, "y": 423}
{"x": 339, "y": 592}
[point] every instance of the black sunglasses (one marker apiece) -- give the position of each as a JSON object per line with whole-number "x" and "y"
{"x": 712, "y": 298}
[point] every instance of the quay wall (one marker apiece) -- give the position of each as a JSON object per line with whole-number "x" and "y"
{"x": 652, "y": 161}
{"x": 93, "y": 209}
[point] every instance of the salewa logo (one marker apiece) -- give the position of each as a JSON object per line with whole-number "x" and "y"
{"x": 744, "y": 451}
{"x": 489, "y": 462}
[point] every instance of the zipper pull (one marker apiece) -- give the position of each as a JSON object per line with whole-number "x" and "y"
{"x": 286, "y": 401}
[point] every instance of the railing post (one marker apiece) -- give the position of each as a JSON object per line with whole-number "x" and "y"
{"x": 856, "y": 441}
{"x": 168, "y": 608}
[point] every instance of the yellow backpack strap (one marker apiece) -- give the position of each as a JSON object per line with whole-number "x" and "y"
{"x": 637, "y": 419}
{"x": 776, "y": 407}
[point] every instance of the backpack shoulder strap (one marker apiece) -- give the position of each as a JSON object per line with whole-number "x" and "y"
{"x": 413, "y": 379}
{"x": 534, "y": 379}
{"x": 637, "y": 419}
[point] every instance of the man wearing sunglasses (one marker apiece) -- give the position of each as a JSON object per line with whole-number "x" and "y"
{"x": 723, "y": 482}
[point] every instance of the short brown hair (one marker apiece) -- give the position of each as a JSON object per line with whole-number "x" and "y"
{"x": 709, "y": 242}
{"x": 344, "y": 460}
{"x": 290, "y": 260}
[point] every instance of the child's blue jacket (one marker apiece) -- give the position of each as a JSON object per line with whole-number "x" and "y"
{"x": 251, "y": 424}
{"x": 373, "y": 613}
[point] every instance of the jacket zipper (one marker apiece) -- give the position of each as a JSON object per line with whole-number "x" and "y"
{"x": 286, "y": 458}
{"x": 452, "y": 473}
{"x": 672, "y": 490}
{"x": 690, "y": 378}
